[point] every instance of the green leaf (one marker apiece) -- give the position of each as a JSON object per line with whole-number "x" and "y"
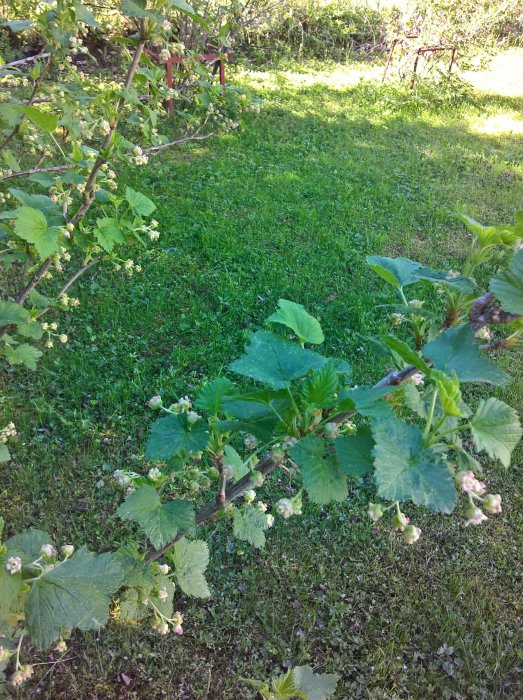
{"x": 30, "y": 329}
{"x": 369, "y": 401}
{"x": 31, "y": 226}
{"x": 316, "y": 686}
{"x": 414, "y": 400}
{"x": 284, "y": 687}
{"x": 27, "y": 545}
{"x": 320, "y": 389}
{"x": 407, "y": 354}
{"x": 212, "y": 394}
{"x": 275, "y": 361}
{"x": 249, "y": 525}
{"x": 23, "y": 354}
{"x": 139, "y": 203}
{"x": 496, "y": 429}
{"x": 10, "y": 587}
{"x": 47, "y": 122}
{"x": 295, "y": 317}
{"x": 5, "y": 455}
{"x": 400, "y": 272}
{"x": 39, "y": 300}
{"x": 190, "y": 560}
{"x": 12, "y": 313}
{"x": 406, "y": 471}
{"x": 51, "y": 211}
{"x": 18, "y": 25}
{"x": 136, "y": 571}
{"x": 354, "y": 452}
{"x": 75, "y": 594}
{"x": 108, "y": 233}
{"x": 160, "y": 521}
{"x": 131, "y": 607}
{"x": 86, "y": 16}
{"x": 258, "y": 412}
{"x": 237, "y": 463}
{"x": 172, "y": 434}
{"x": 137, "y": 8}
{"x": 507, "y": 285}
{"x": 321, "y": 474}
{"x": 456, "y": 350}
{"x": 396, "y": 271}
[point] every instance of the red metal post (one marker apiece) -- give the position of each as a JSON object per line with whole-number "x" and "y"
{"x": 414, "y": 69}
{"x": 389, "y": 59}
{"x": 169, "y": 76}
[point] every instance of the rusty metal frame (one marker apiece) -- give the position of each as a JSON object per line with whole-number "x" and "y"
{"x": 217, "y": 60}
{"x": 419, "y": 52}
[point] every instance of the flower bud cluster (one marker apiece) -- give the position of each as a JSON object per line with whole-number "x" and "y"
{"x": 8, "y": 432}
{"x": 22, "y": 675}
{"x": 140, "y": 158}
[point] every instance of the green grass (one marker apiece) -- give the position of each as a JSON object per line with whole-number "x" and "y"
{"x": 328, "y": 172}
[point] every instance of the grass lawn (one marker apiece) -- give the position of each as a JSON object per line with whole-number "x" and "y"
{"x": 329, "y": 171}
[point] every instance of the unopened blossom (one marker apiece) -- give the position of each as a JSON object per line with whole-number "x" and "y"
{"x": 284, "y": 508}
{"x": 67, "y": 550}
{"x": 375, "y": 511}
{"x": 182, "y": 405}
{"x": 261, "y": 506}
{"x": 411, "y": 534}
{"x": 492, "y": 503}
{"x": 249, "y": 496}
{"x": 121, "y": 478}
{"x": 177, "y": 618}
{"x": 162, "y": 594}
{"x": 128, "y": 264}
{"x": 53, "y": 326}
{"x": 63, "y": 338}
{"x": 21, "y": 675}
{"x": 155, "y": 402}
{"x": 257, "y": 479}
{"x": 154, "y": 474}
{"x": 165, "y": 54}
{"x": 228, "y": 471}
{"x": 164, "y": 569}
{"x": 475, "y": 516}
{"x": 416, "y": 303}
{"x": 484, "y": 334}
{"x": 154, "y": 235}
{"x": 48, "y": 550}
{"x": 470, "y": 484}
{"x": 192, "y": 417}
{"x": 162, "y": 627}
{"x": 105, "y": 127}
{"x": 452, "y": 274}
{"x": 14, "y": 565}
{"x": 166, "y": 26}
{"x": 270, "y": 519}
{"x": 61, "y": 647}
{"x": 277, "y": 454}
{"x": 331, "y": 429}
{"x": 8, "y": 432}
{"x": 400, "y": 521}
{"x": 49, "y": 344}
{"x": 396, "y": 319}
{"x": 4, "y": 654}
{"x": 138, "y": 268}
{"x": 418, "y": 379}
{"x": 250, "y": 442}
{"x": 178, "y": 629}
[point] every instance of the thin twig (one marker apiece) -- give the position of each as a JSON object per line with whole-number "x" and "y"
{"x": 33, "y": 171}
{"x": 25, "y": 60}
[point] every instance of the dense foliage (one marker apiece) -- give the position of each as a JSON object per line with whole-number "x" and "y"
{"x": 412, "y": 434}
